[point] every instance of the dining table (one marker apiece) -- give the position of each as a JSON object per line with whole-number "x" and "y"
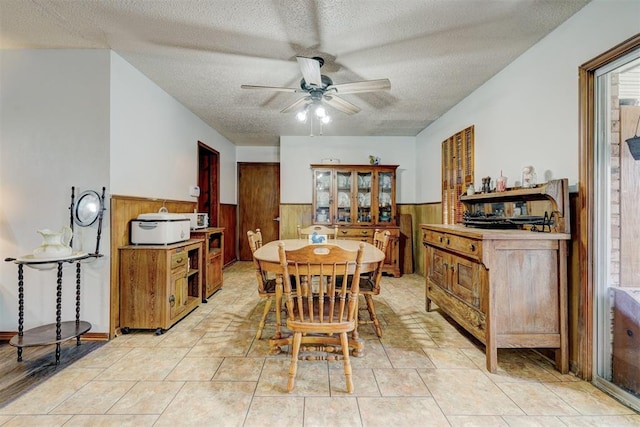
{"x": 269, "y": 261}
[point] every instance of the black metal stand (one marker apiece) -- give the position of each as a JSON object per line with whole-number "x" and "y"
{"x": 58, "y": 332}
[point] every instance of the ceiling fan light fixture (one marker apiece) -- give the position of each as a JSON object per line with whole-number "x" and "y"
{"x": 302, "y": 115}
{"x": 320, "y": 112}
{"x": 326, "y": 119}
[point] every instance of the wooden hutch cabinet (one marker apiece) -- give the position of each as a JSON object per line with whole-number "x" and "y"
{"x": 159, "y": 284}
{"x": 502, "y": 275}
{"x": 212, "y": 257}
{"x": 358, "y": 199}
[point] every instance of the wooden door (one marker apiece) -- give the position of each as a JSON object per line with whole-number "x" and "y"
{"x": 258, "y": 203}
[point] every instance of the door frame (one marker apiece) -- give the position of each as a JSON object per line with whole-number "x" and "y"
{"x": 213, "y": 175}
{"x": 586, "y": 200}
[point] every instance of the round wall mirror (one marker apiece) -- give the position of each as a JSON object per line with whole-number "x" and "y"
{"x": 88, "y": 208}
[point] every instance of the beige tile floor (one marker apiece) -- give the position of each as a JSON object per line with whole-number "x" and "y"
{"x": 209, "y": 370}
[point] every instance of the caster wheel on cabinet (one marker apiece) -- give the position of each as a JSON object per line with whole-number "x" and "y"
{"x": 125, "y": 330}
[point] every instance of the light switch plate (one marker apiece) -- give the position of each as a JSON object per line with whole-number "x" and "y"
{"x": 194, "y": 191}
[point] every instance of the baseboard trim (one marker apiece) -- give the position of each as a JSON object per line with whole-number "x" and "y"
{"x": 89, "y": 336}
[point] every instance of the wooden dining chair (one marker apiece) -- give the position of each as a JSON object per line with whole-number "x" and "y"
{"x": 321, "y": 316}
{"x": 370, "y": 283}
{"x": 320, "y": 230}
{"x": 266, "y": 284}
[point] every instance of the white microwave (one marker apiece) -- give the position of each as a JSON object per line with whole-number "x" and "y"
{"x": 198, "y": 220}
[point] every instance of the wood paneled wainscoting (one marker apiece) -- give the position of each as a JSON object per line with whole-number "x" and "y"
{"x": 123, "y": 210}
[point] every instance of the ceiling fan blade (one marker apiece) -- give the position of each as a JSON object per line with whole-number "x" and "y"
{"x": 310, "y": 69}
{"x": 271, "y": 88}
{"x": 341, "y": 104}
{"x": 360, "y": 87}
{"x": 296, "y": 104}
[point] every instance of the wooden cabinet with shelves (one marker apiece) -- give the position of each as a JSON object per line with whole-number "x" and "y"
{"x": 159, "y": 284}
{"x": 507, "y": 287}
{"x": 212, "y": 256}
{"x": 354, "y": 195}
{"x": 358, "y": 199}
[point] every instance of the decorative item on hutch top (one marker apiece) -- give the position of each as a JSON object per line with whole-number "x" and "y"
{"x": 501, "y": 183}
{"x": 528, "y": 177}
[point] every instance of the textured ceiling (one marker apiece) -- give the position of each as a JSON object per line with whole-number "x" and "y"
{"x": 435, "y": 52}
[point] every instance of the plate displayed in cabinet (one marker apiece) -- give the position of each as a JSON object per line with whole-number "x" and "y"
{"x": 364, "y": 199}
{"x": 343, "y": 181}
{"x": 323, "y": 198}
{"x": 364, "y": 181}
{"x": 343, "y": 200}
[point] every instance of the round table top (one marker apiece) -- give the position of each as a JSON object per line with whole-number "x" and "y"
{"x": 269, "y": 251}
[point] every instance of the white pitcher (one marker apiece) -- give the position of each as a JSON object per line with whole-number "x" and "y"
{"x": 55, "y": 243}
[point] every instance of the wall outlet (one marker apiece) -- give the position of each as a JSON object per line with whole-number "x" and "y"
{"x": 194, "y": 191}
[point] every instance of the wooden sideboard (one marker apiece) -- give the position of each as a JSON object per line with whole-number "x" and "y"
{"x": 212, "y": 258}
{"x": 507, "y": 287}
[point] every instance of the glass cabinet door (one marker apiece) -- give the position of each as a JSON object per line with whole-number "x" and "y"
{"x": 386, "y": 202}
{"x": 363, "y": 198}
{"x": 322, "y": 197}
{"x": 344, "y": 185}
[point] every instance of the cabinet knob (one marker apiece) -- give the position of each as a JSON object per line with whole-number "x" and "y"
{"x": 448, "y": 241}
{"x": 441, "y": 239}
{"x": 172, "y": 300}
{"x": 473, "y": 247}
{"x": 180, "y": 260}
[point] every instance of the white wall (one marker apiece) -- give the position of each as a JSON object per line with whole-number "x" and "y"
{"x": 298, "y": 152}
{"x": 154, "y": 141}
{"x": 258, "y": 154}
{"x": 528, "y": 113}
{"x": 85, "y": 118}
{"x": 54, "y": 134}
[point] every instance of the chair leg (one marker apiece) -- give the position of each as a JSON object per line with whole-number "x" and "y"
{"x": 372, "y": 314}
{"x": 293, "y": 366}
{"x": 263, "y": 321}
{"x": 344, "y": 342}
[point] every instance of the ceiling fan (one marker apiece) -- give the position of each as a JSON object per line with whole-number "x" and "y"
{"x": 320, "y": 88}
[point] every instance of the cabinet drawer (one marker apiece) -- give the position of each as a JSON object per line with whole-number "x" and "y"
{"x": 353, "y": 233}
{"x": 178, "y": 259}
{"x": 460, "y": 244}
{"x": 465, "y": 245}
